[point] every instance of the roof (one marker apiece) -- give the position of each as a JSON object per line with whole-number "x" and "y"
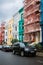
{"x": 20, "y": 10}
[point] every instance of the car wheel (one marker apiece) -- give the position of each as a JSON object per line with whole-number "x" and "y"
{"x": 34, "y": 54}
{"x": 13, "y": 52}
{"x": 22, "y": 53}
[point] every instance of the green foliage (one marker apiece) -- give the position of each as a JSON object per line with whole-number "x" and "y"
{"x": 14, "y": 40}
{"x": 38, "y": 46}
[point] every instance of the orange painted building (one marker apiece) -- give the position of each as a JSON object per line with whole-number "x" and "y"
{"x": 2, "y": 32}
{"x": 31, "y": 20}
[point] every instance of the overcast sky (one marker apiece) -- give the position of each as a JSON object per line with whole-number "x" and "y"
{"x": 9, "y": 7}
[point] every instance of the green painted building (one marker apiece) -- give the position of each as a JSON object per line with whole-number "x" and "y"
{"x": 21, "y": 27}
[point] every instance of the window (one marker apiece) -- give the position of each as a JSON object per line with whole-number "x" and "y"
{"x": 15, "y": 28}
{"x": 38, "y": 2}
{"x": 22, "y": 27}
{"x": 37, "y": 12}
{"x": 10, "y": 31}
{"x": 13, "y": 25}
{"x": 6, "y": 40}
{"x": 16, "y": 36}
{"x": 6, "y": 33}
{"x": 22, "y": 16}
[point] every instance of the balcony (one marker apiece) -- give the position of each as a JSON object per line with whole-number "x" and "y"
{"x": 29, "y": 3}
{"x": 33, "y": 30}
{"x": 29, "y": 23}
{"x": 32, "y": 11}
{"x": 26, "y": 40}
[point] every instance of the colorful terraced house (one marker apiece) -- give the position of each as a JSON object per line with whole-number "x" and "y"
{"x": 21, "y": 27}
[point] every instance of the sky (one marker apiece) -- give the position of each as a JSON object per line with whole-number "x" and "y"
{"x": 8, "y": 8}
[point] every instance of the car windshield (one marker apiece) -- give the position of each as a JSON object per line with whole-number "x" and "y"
{"x": 22, "y": 44}
{"x": 27, "y": 44}
{"x": 7, "y": 46}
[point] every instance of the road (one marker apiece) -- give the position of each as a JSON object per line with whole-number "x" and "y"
{"x": 7, "y": 58}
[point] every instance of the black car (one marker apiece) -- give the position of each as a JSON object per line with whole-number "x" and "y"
{"x": 6, "y": 48}
{"x": 24, "y": 49}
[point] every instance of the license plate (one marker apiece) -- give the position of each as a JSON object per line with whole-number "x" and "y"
{"x": 32, "y": 51}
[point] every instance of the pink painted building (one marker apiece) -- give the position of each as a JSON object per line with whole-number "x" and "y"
{"x": 31, "y": 20}
{"x": 2, "y": 32}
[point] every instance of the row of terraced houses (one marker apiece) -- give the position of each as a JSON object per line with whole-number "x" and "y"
{"x": 27, "y": 24}
{"x": 14, "y": 28}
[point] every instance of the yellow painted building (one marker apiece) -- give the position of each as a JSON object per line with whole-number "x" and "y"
{"x": 10, "y": 29}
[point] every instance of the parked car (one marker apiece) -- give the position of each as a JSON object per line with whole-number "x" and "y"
{"x": 24, "y": 49}
{"x": 11, "y": 49}
{"x": 6, "y": 48}
{"x": 0, "y": 47}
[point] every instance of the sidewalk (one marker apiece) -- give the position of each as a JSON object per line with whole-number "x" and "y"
{"x": 40, "y": 54}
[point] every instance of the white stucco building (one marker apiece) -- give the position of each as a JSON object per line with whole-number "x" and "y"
{"x": 16, "y": 26}
{"x": 6, "y": 32}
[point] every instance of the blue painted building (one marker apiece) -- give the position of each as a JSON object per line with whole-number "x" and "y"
{"x": 41, "y": 17}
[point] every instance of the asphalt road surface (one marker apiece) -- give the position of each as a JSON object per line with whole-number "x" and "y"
{"x": 7, "y": 58}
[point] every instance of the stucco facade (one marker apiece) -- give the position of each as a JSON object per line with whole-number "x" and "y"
{"x": 2, "y": 32}
{"x": 21, "y": 27}
{"x": 32, "y": 21}
{"x": 16, "y": 26}
{"x": 9, "y": 30}
{"x": 6, "y": 32}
